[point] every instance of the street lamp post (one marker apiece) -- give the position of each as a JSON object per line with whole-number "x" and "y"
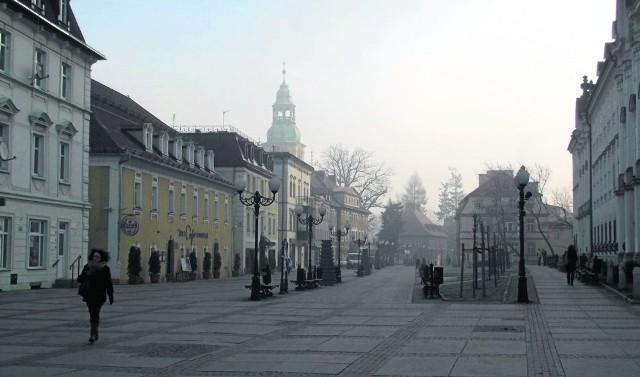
{"x": 522, "y": 178}
{"x": 359, "y": 273}
{"x": 310, "y": 221}
{"x": 284, "y": 282}
{"x": 256, "y": 200}
{"x": 339, "y": 233}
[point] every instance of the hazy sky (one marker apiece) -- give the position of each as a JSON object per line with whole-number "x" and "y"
{"x": 426, "y": 85}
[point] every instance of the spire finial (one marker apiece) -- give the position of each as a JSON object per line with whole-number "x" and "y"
{"x": 284, "y": 71}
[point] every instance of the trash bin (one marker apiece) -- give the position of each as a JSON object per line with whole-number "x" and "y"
{"x": 438, "y": 275}
{"x": 266, "y": 275}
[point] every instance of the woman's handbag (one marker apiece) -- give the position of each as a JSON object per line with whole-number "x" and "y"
{"x": 83, "y": 289}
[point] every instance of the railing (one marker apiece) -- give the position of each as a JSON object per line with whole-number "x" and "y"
{"x": 55, "y": 263}
{"x": 78, "y": 260}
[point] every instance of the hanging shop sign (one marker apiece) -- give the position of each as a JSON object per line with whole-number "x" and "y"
{"x": 129, "y": 225}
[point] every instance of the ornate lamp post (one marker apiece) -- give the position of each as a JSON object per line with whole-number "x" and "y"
{"x": 256, "y": 200}
{"x": 284, "y": 282}
{"x": 339, "y": 233}
{"x": 522, "y": 178}
{"x": 359, "y": 273}
{"x": 310, "y": 221}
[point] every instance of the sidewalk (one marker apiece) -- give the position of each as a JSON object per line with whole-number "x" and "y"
{"x": 363, "y": 327}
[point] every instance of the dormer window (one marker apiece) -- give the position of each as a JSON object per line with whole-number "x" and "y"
{"x": 200, "y": 157}
{"x": 147, "y": 136}
{"x": 210, "y": 160}
{"x": 39, "y": 4}
{"x": 190, "y": 153}
{"x": 177, "y": 149}
{"x": 164, "y": 143}
{"x": 63, "y": 16}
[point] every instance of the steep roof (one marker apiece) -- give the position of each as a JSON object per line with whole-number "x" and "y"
{"x": 47, "y": 17}
{"x": 234, "y": 150}
{"x": 114, "y": 120}
{"x": 417, "y": 224}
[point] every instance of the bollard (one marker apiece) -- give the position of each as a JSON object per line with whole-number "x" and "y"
{"x": 636, "y": 282}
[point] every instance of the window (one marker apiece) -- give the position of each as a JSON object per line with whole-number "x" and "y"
{"x": 183, "y": 203}
{"x": 137, "y": 195}
{"x": 63, "y": 243}
{"x": 206, "y": 207}
{"x": 40, "y": 69}
{"x": 194, "y": 204}
{"x": 64, "y": 162}
{"x": 4, "y": 51}
{"x": 4, "y": 136}
{"x": 210, "y": 160}
{"x": 154, "y": 198}
{"x": 37, "y": 231}
{"x": 172, "y": 200}
{"x": 530, "y": 225}
{"x": 164, "y": 143}
{"x": 5, "y": 231}
{"x": 38, "y": 156}
{"x": 531, "y": 248}
{"x": 226, "y": 209}
{"x": 65, "y": 81}
{"x": 216, "y": 208}
{"x": 63, "y": 16}
{"x": 147, "y": 135}
{"x": 177, "y": 153}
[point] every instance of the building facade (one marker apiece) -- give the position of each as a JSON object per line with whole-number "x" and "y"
{"x": 156, "y": 189}
{"x": 604, "y": 148}
{"x": 45, "y": 80}
{"x": 421, "y": 238}
{"x": 240, "y": 158}
{"x": 492, "y": 208}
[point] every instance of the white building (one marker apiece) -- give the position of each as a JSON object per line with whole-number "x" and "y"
{"x": 604, "y": 148}
{"x": 45, "y": 69}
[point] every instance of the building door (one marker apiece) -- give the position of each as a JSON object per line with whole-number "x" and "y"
{"x": 63, "y": 250}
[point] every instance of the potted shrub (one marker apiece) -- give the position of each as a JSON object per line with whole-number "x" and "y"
{"x": 193, "y": 259}
{"x": 235, "y": 272}
{"x": 154, "y": 267}
{"x": 134, "y": 267}
{"x": 217, "y": 264}
{"x": 206, "y": 266}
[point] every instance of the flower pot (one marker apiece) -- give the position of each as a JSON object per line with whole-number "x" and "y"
{"x": 154, "y": 278}
{"x": 135, "y": 279}
{"x": 206, "y": 275}
{"x": 216, "y": 274}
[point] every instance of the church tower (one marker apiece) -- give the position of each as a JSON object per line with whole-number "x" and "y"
{"x": 283, "y": 135}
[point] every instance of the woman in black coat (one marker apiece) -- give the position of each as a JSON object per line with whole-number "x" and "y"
{"x": 97, "y": 275}
{"x": 572, "y": 260}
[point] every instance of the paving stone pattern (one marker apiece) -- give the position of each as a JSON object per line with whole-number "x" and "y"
{"x": 374, "y": 325}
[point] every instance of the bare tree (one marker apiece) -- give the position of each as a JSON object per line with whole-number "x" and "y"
{"x": 543, "y": 212}
{"x": 358, "y": 170}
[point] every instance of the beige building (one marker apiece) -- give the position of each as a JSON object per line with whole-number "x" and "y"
{"x": 154, "y": 188}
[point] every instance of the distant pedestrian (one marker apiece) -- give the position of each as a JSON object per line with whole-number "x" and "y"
{"x": 96, "y": 276}
{"x": 572, "y": 260}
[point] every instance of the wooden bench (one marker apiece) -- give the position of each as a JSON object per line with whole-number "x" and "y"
{"x": 265, "y": 290}
{"x": 306, "y": 284}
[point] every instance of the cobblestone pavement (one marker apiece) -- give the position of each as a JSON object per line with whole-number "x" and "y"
{"x": 369, "y": 326}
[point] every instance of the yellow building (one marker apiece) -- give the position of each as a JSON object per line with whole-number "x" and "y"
{"x": 154, "y": 189}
